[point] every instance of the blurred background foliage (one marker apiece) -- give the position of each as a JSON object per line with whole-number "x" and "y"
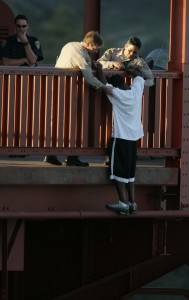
{"x": 56, "y": 22}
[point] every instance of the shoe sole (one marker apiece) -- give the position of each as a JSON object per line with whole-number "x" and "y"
{"x": 118, "y": 212}
{"x": 133, "y": 212}
{"x": 123, "y": 213}
{"x": 51, "y": 163}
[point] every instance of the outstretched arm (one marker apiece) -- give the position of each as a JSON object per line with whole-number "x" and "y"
{"x": 100, "y": 74}
{"x": 102, "y": 78}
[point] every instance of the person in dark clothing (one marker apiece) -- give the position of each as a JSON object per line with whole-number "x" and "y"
{"x": 22, "y": 49}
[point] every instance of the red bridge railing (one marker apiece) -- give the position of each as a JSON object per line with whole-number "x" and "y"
{"x": 48, "y": 110}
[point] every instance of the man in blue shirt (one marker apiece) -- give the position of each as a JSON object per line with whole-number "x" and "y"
{"x": 21, "y": 49}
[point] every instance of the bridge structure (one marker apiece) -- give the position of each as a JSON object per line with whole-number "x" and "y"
{"x": 57, "y": 239}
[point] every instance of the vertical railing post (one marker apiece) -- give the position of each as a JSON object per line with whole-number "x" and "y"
{"x": 175, "y": 64}
{"x": 179, "y": 60}
{"x": 184, "y": 183}
{"x": 4, "y": 281}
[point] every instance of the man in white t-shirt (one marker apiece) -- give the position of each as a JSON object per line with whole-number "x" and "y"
{"x": 127, "y": 106}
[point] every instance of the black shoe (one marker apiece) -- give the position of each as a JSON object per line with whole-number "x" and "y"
{"x": 132, "y": 208}
{"x": 52, "y": 159}
{"x": 74, "y": 161}
{"x": 119, "y": 207}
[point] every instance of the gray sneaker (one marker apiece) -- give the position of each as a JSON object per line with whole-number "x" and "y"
{"x": 119, "y": 207}
{"x": 132, "y": 208}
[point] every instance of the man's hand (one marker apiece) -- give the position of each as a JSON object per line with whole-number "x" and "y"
{"x": 118, "y": 65}
{"x": 108, "y": 90}
{"x": 22, "y": 37}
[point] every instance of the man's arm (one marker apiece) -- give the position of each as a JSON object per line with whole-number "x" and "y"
{"x": 29, "y": 59}
{"x": 6, "y": 61}
{"x": 91, "y": 79}
{"x": 100, "y": 74}
{"x": 31, "y": 56}
{"x": 14, "y": 62}
{"x": 140, "y": 65}
{"x": 107, "y": 60}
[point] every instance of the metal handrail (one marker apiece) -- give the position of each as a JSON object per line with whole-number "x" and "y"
{"x": 49, "y": 110}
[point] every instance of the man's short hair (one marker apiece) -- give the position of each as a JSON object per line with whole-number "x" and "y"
{"x": 94, "y": 38}
{"x": 118, "y": 81}
{"x": 20, "y": 17}
{"x": 133, "y": 40}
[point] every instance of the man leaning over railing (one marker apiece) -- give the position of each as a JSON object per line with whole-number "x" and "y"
{"x": 77, "y": 55}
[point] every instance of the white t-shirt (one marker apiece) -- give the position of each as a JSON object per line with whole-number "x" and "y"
{"x": 127, "y": 109}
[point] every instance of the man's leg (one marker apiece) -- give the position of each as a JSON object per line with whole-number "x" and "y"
{"x": 122, "y": 206}
{"x": 131, "y": 191}
{"x": 131, "y": 195}
{"x": 121, "y": 190}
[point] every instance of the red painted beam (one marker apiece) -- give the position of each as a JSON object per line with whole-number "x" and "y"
{"x": 170, "y": 214}
{"x": 91, "y": 15}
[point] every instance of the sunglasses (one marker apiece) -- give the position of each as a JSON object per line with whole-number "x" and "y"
{"x": 21, "y": 26}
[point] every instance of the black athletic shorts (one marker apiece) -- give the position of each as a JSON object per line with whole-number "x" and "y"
{"x": 123, "y": 154}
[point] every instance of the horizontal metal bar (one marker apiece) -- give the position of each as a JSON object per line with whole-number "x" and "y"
{"x": 165, "y": 152}
{"x": 159, "y": 214}
{"x": 162, "y": 291}
{"x": 50, "y": 70}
